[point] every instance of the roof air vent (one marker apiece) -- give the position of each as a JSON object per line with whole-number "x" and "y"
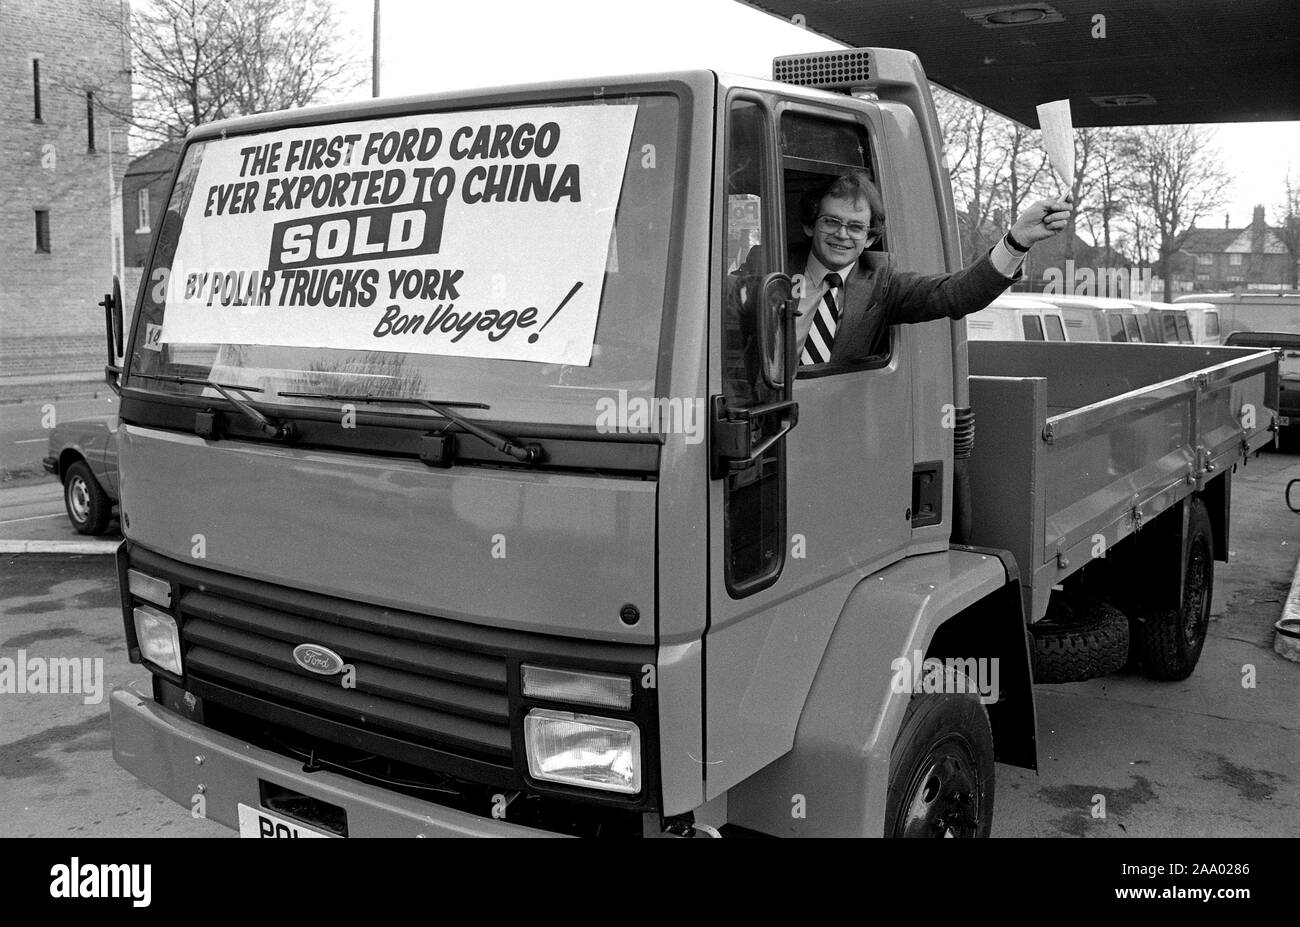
{"x": 833, "y": 70}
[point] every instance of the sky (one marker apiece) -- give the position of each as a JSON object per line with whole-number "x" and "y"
{"x": 438, "y": 45}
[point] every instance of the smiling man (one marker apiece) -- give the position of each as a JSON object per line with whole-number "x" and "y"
{"x": 849, "y": 296}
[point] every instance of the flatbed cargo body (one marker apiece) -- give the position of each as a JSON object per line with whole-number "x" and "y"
{"x": 1081, "y": 444}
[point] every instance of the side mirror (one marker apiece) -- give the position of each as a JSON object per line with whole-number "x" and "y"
{"x": 112, "y": 303}
{"x": 740, "y": 437}
{"x": 775, "y": 331}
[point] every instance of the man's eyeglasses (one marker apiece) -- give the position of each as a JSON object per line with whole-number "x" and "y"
{"x": 829, "y": 225}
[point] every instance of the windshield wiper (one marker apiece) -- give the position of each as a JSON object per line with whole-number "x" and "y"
{"x": 266, "y": 425}
{"x": 524, "y": 453}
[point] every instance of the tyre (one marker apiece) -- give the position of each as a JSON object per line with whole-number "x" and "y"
{"x": 1080, "y": 638}
{"x": 89, "y": 508}
{"x": 941, "y": 769}
{"x": 1169, "y": 641}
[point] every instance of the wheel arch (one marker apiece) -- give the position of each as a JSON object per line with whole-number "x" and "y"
{"x": 834, "y": 782}
{"x": 67, "y": 457}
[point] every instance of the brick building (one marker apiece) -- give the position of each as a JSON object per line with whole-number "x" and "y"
{"x": 65, "y": 88}
{"x": 1227, "y": 259}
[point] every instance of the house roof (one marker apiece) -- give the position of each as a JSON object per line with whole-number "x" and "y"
{"x": 160, "y": 160}
{"x": 1231, "y": 241}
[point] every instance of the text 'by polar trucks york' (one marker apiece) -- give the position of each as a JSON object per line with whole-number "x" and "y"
{"x": 312, "y": 176}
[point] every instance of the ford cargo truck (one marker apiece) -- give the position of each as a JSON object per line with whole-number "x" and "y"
{"x": 457, "y": 499}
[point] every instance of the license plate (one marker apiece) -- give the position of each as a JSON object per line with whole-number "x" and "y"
{"x": 256, "y": 823}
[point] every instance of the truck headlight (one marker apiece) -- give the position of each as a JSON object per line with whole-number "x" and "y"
{"x": 582, "y": 750}
{"x": 159, "y": 638}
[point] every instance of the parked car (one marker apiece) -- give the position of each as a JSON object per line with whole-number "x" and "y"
{"x": 83, "y": 455}
{"x": 1287, "y": 346}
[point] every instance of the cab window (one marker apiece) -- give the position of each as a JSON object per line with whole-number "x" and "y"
{"x": 1131, "y": 328}
{"x": 1115, "y": 324}
{"x": 1032, "y": 326}
{"x": 1054, "y": 330}
{"x": 814, "y": 151}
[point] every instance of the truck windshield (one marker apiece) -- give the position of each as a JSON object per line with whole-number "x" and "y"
{"x": 516, "y": 257}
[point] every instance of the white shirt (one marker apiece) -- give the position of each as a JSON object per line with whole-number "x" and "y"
{"x": 1004, "y": 261}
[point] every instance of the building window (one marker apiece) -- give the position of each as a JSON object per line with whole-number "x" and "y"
{"x": 1237, "y": 278}
{"x": 1234, "y": 260}
{"x": 1205, "y": 259}
{"x": 142, "y": 210}
{"x": 36, "y": 89}
{"x": 43, "y": 231}
{"x": 90, "y": 120}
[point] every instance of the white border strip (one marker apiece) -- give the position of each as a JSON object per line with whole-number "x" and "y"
{"x": 58, "y": 547}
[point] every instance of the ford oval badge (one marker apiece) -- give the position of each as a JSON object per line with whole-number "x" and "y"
{"x": 317, "y": 659}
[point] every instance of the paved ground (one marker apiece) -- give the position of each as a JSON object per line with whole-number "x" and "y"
{"x": 1202, "y": 757}
{"x": 1206, "y": 756}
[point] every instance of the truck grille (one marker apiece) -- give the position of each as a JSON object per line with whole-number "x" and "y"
{"x": 412, "y": 689}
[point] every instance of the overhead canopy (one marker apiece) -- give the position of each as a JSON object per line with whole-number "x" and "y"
{"x": 1160, "y": 61}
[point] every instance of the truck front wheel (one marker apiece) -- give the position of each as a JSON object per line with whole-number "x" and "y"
{"x": 1169, "y": 641}
{"x": 941, "y": 769}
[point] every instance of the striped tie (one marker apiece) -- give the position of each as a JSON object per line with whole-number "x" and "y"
{"x": 821, "y": 337}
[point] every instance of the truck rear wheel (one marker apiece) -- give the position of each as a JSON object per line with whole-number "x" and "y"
{"x": 941, "y": 768}
{"x": 1170, "y": 640}
{"x": 1080, "y": 638}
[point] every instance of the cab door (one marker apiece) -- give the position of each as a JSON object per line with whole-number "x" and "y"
{"x": 793, "y": 533}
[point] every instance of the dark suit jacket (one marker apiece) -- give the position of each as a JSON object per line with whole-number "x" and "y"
{"x": 876, "y": 295}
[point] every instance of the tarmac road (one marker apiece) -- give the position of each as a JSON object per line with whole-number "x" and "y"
{"x": 1203, "y": 757}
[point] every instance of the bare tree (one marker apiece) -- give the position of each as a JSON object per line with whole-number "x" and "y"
{"x": 976, "y": 164}
{"x": 1177, "y": 178}
{"x": 286, "y": 55}
{"x": 1288, "y": 213}
{"x": 199, "y": 60}
{"x": 1027, "y": 172}
{"x": 1102, "y": 186}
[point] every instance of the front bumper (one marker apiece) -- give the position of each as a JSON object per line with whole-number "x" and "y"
{"x": 162, "y": 749}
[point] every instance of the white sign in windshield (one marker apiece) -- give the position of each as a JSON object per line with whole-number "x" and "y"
{"x": 472, "y": 234}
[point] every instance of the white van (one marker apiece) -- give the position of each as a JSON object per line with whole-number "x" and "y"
{"x": 1013, "y": 317}
{"x": 1173, "y": 323}
{"x": 1261, "y": 311}
{"x": 1097, "y": 318}
{"x": 1204, "y": 325}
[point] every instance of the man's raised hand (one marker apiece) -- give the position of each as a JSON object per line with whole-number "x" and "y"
{"x": 1041, "y": 221}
